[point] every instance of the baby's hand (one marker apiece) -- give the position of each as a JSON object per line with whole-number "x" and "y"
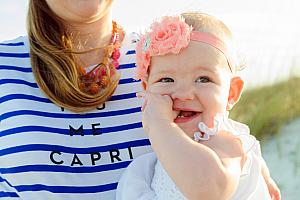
{"x": 157, "y": 108}
{"x": 273, "y": 189}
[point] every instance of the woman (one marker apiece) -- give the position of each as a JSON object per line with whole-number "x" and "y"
{"x": 70, "y": 122}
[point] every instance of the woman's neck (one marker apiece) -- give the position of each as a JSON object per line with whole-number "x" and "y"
{"x": 87, "y": 36}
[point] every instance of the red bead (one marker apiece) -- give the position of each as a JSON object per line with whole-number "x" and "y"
{"x": 116, "y": 54}
{"x": 89, "y": 76}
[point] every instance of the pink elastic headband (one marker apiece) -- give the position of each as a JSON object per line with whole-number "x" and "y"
{"x": 170, "y": 35}
{"x": 213, "y": 41}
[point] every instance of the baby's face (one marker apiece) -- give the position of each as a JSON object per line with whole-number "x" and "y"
{"x": 197, "y": 79}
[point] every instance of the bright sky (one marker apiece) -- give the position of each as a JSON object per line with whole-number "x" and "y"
{"x": 136, "y": 14}
{"x": 267, "y": 31}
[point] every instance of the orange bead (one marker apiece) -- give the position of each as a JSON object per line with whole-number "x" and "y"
{"x": 81, "y": 86}
{"x": 82, "y": 70}
{"x": 104, "y": 81}
{"x": 115, "y": 26}
{"x": 94, "y": 88}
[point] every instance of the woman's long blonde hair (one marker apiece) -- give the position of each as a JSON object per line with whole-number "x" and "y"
{"x": 54, "y": 64}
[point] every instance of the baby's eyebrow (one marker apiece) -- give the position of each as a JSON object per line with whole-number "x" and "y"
{"x": 166, "y": 71}
{"x": 206, "y": 68}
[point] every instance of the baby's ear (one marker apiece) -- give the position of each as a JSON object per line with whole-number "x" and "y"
{"x": 236, "y": 88}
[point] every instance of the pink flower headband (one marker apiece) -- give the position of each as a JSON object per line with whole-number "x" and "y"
{"x": 170, "y": 35}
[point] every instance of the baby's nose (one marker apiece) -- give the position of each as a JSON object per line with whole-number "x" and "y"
{"x": 183, "y": 93}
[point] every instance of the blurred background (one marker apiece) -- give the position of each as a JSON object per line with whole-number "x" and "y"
{"x": 268, "y": 37}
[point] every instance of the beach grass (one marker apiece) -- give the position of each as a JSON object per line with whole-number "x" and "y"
{"x": 266, "y": 109}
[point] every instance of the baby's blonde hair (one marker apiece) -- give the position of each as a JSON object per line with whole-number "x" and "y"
{"x": 203, "y": 22}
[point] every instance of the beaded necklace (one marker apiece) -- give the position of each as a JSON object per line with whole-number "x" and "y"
{"x": 94, "y": 80}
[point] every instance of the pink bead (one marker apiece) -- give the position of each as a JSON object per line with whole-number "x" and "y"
{"x": 112, "y": 72}
{"x": 116, "y": 54}
{"x": 103, "y": 72}
{"x": 96, "y": 71}
{"x": 115, "y": 63}
{"x": 117, "y": 37}
{"x": 99, "y": 77}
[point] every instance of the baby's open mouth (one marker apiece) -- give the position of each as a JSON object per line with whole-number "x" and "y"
{"x": 184, "y": 114}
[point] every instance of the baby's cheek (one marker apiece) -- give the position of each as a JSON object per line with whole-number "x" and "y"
{"x": 160, "y": 89}
{"x": 212, "y": 100}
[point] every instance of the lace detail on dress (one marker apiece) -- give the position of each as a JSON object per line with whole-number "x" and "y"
{"x": 163, "y": 185}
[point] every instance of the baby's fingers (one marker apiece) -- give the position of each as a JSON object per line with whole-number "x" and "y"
{"x": 276, "y": 196}
{"x": 156, "y": 99}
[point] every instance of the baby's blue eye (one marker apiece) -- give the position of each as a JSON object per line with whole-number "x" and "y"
{"x": 166, "y": 80}
{"x": 203, "y": 79}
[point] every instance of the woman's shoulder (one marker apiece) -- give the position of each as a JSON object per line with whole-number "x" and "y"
{"x": 128, "y": 59}
{"x": 131, "y": 38}
{"x": 19, "y": 44}
{"x": 14, "y": 58}
{"x": 14, "y": 52}
{"x": 129, "y": 43}
{"x": 17, "y": 48}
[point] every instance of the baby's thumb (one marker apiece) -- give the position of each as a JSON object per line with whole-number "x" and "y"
{"x": 174, "y": 114}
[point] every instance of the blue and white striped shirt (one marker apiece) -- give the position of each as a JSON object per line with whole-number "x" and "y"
{"x": 47, "y": 152}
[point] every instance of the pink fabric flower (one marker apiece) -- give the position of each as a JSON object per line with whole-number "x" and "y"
{"x": 142, "y": 58}
{"x": 169, "y": 35}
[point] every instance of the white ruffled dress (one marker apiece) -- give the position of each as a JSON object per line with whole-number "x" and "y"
{"x": 146, "y": 179}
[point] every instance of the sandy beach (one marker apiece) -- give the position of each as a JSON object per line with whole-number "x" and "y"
{"x": 282, "y": 154}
